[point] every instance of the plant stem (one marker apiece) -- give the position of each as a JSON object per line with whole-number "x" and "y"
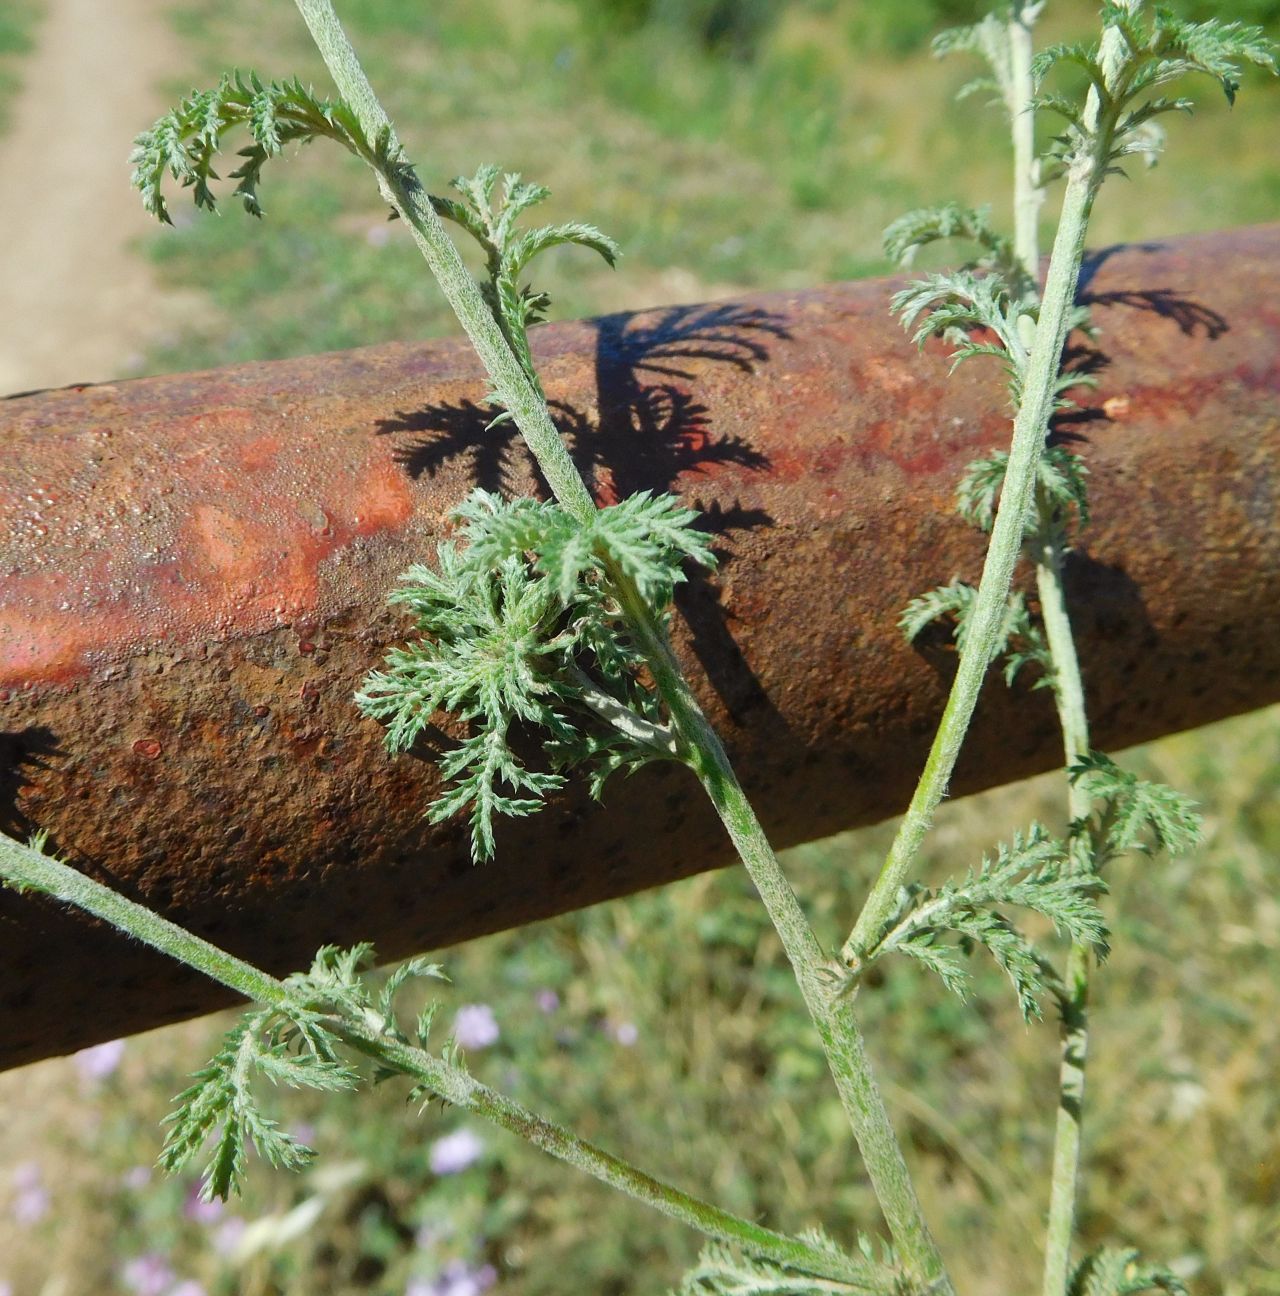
{"x": 1068, "y": 690}
{"x": 29, "y": 869}
{"x": 1028, "y": 194}
{"x": 841, "y": 1038}
{"x": 411, "y": 202}
{"x": 1084, "y": 177}
{"x": 819, "y": 978}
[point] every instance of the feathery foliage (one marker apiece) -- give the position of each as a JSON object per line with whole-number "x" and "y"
{"x": 1133, "y": 814}
{"x": 1159, "y": 48}
{"x": 1116, "y": 1271}
{"x": 488, "y": 212}
{"x": 1031, "y": 872}
{"x": 519, "y": 630}
{"x": 1061, "y": 490}
{"x": 297, "y": 1048}
{"x": 185, "y": 142}
{"x": 1019, "y": 639}
{"x": 727, "y": 1271}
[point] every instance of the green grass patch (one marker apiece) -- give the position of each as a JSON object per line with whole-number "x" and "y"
{"x": 18, "y": 19}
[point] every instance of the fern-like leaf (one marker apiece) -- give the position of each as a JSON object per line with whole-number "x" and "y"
{"x": 221, "y": 1103}
{"x": 488, "y": 213}
{"x": 723, "y": 1270}
{"x": 1115, "y": 1271}
{"x": 1061, "y": 490}
{"x": 1032, "y": 872}
{"x": 185, "y": 142}
{"x": 518, "y": 630}
{"x": 1135, "y": 814}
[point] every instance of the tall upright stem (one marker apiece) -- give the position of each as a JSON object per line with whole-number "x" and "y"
{"x": 985, "y": 619}
{"x": 1068, "y": 688}
{"x": 841, "y": 1039}
{"x": 1031, "y": 425}
{"x": 1028, "y": 193}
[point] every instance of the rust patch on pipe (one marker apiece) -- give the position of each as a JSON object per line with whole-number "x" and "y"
{"x": 194, "y": 573}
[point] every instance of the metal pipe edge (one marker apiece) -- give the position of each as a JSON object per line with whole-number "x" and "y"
{"x": 194, "y": 571}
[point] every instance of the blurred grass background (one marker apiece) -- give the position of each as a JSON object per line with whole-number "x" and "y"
{"x": 17, "y": 23}
{"x": 728, "y": 146}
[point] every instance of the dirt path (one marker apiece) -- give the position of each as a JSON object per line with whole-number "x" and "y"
{"x": 79, "y": 304}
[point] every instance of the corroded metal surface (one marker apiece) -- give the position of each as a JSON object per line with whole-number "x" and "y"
{"x": 195, "y": 567}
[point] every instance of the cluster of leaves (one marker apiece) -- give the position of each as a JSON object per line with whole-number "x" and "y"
{"x": 1020, "y": 639}
{"x": 1061, "y": 506}
{"x": 508, "y": 250}
{"x": 1132, "y": 814}
{"x": 724, "y": 1271}
{"x": 1116, "y": 1271}
{"x": 185, "y": 141}
{"x": 294, "y": 1046}
{"x": 519, "y": 628}
{"x": 1158, "y": 49}
{"x": 1060, "y": 880}
{"x": 1034, "y": 872}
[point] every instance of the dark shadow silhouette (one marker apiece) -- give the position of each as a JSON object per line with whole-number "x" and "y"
{"x": 1190, "y": 316}
{"x": 645, "y": 435}
{"x": 457, "y": 429}
{"x": 22, "y": 753}
{"x": 1095, "y": 258}
{"x": 1169, "y": 304}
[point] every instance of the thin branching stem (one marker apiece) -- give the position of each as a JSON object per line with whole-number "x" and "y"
{"x": 1069, "y": 695}
{"x": 1084, "y": 177}
{"x": 526, "y": 405}
{"x": 1028, "y": 193}
{"x": 28, "y": 868}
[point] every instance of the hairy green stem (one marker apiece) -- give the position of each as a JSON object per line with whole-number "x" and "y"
{"x": 1068, "y": 689}
{"x": 28, "y": 869}
{"x": 411, "y": 202}
{"x": 820, "y": 979}
{"x": 1084, "y": 177}
{"x": 841, "y": 1039}
{"x": 1028, "y": 193}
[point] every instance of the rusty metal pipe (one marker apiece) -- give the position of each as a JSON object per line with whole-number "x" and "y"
{"x": 195, "y": 571}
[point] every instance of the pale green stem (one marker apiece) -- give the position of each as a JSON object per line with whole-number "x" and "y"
{"x": 988, "y": 612}
{"x": 28, "y": 869}
{"x": 1030, "y": 428}
{"x": 849, "y": 1063}
{"x": 821, "y": 982}
{"x": 510, "y": 381}
{"x": 1068, "y": 688}
{"x": 1028, "y": 194}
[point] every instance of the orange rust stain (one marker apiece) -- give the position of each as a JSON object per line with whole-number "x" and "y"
{"x": 381, "y": 501}
{"x": 260, "y": 453}
{"x": 229, "y": 546}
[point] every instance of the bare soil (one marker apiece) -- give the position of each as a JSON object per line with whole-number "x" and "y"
{"x": 80, "y": 304}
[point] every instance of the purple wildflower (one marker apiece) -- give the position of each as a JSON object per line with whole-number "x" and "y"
{"x": 547, "y": 1000}
{"x": 455, "y": 1152}
{"x": 625, "y": 1033}
{"x": 102, "y": 1060}
{"x": 148, "y": 1275}
{"x": 31, "y": 1201}
{"x": 457, "y": 1278}
{"x": 199, "y": 1211}
{"x": 475, "y": 1026}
